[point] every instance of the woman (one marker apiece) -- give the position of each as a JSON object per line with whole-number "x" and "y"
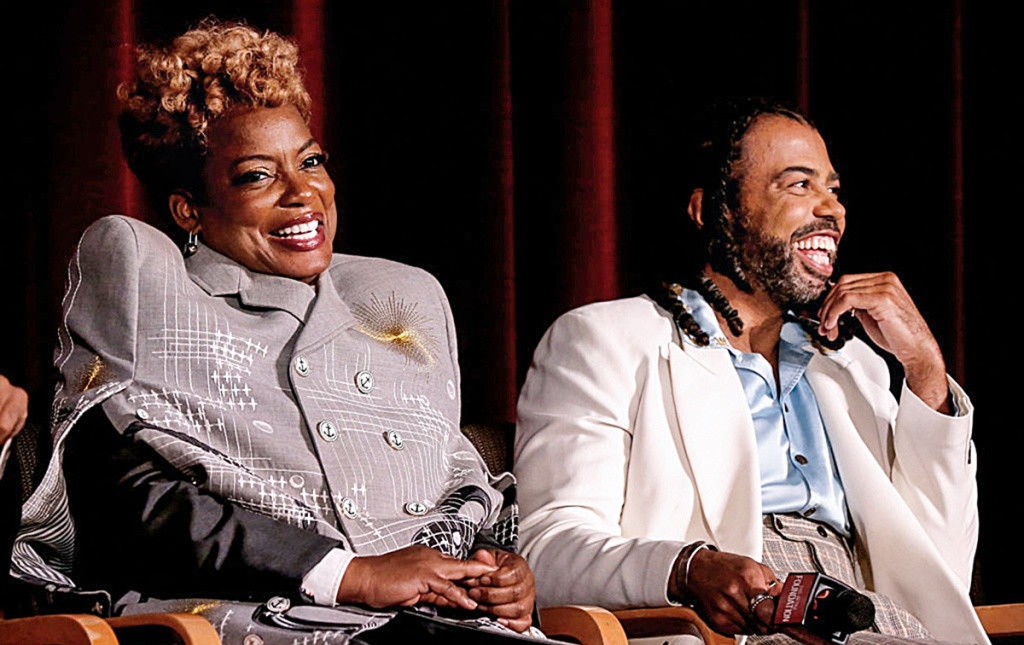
{"x": 254, "y": 415}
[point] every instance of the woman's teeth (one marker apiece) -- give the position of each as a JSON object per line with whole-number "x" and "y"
{"x": 301, "y": 231}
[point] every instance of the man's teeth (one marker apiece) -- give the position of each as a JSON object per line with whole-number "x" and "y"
{"x": 822, "y": 242}
{"x": 819, "y": 248}
{"x": 304, "y": 230}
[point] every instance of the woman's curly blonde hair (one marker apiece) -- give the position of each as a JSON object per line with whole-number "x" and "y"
{"x": 178, "y": 91}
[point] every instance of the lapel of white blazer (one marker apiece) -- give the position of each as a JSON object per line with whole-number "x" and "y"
{"x": 853, "y": 407}
{"x": 905, "y": 564}
{"x": 844, "y": 396}
{"x": 718, "y": 436}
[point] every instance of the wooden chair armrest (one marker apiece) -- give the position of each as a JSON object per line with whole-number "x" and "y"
{"x": 663, "y": 621}
{"x": 189, "y": 629}
{"x": 1002, "y": 620}
{"x": 998, "y": 621}
{"x": 584, "y": 624}
{"x": 57, "y": 629}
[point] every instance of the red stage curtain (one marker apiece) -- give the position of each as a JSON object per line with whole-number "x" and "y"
{"x": 525, "y": 154}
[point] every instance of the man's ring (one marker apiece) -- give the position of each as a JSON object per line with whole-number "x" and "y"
{"x": 757, "y": 600}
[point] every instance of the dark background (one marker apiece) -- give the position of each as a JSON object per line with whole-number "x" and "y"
{"x": 526, "y": 153}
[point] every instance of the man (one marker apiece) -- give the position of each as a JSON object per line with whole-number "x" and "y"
{"x": 699, "y": 445}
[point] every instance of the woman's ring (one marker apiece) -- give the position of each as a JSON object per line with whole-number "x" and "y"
{"x": 757, "y": 600}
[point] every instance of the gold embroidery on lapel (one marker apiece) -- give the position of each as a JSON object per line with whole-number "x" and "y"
{"x": 398, "y": 325}
{"x": 92, "y": 374}
{"x": 198, "y": 609}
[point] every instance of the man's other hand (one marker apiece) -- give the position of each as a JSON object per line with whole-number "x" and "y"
{"x": 892, "y": 321}
{"x": 724, "y": 585}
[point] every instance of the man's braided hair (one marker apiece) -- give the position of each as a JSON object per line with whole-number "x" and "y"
{"x": 716, "y": 147}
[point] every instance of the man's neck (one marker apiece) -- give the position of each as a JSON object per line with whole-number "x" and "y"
{"x": 762, "y": 319}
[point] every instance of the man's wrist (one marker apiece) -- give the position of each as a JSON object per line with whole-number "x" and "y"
{"x": 926, "y": 378}
{"x": 679, "y": 581}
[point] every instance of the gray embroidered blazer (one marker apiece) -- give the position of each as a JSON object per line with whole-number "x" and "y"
{"x": 266, "y": 421}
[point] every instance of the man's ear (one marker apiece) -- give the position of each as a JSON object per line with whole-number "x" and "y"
{"x": 184, "y": 211}
{"x": 695, "y": 208}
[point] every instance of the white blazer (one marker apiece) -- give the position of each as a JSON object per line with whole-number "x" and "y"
{"x": 631, "y": 443}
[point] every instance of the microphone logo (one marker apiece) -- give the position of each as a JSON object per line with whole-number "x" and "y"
{"x": 823, "y": 606}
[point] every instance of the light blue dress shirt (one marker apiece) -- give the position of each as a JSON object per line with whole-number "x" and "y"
{"x": 798, "y": 472}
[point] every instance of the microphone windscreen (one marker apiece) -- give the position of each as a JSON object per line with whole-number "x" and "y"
{"x": 851, "y": 610}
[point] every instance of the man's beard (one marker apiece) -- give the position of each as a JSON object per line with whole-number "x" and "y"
{"x": 769, "y": 263}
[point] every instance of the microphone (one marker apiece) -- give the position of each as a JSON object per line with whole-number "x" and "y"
{"x": 825, "y": 607}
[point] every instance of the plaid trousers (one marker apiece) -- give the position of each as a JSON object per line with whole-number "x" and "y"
{"x": 793, "y": 544}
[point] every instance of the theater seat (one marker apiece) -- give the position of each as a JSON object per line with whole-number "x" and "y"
{"x": 85, "y": 629}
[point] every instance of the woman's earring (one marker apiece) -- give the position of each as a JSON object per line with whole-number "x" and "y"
{"x": 191, "y": 244}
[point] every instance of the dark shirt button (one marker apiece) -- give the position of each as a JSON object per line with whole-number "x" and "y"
{"x": 800, "y": 459}
{"x": 811, "y": 511}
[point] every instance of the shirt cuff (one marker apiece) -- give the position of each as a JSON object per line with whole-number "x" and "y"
{"x": 961, "y": 403}
{"x": 321, "y": 583}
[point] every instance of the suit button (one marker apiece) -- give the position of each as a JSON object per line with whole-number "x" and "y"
{"x": 142, "y": 414}
{"x": 800, "y": 459}
{"x": 252, "y": 639}
{"x": 394, "y": 439}
{"x": 348, "y": 507}
{"x": 277, "y": 604}
{"x": 822, "y": 532}
{"x": 301, "y": 366}
{"x": 364, "y": 381}
{"x": 327, "y": 430}
{"x": 416, "y": 508}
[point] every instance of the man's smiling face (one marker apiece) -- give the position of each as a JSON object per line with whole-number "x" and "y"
{"x": 790, "y": 219}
